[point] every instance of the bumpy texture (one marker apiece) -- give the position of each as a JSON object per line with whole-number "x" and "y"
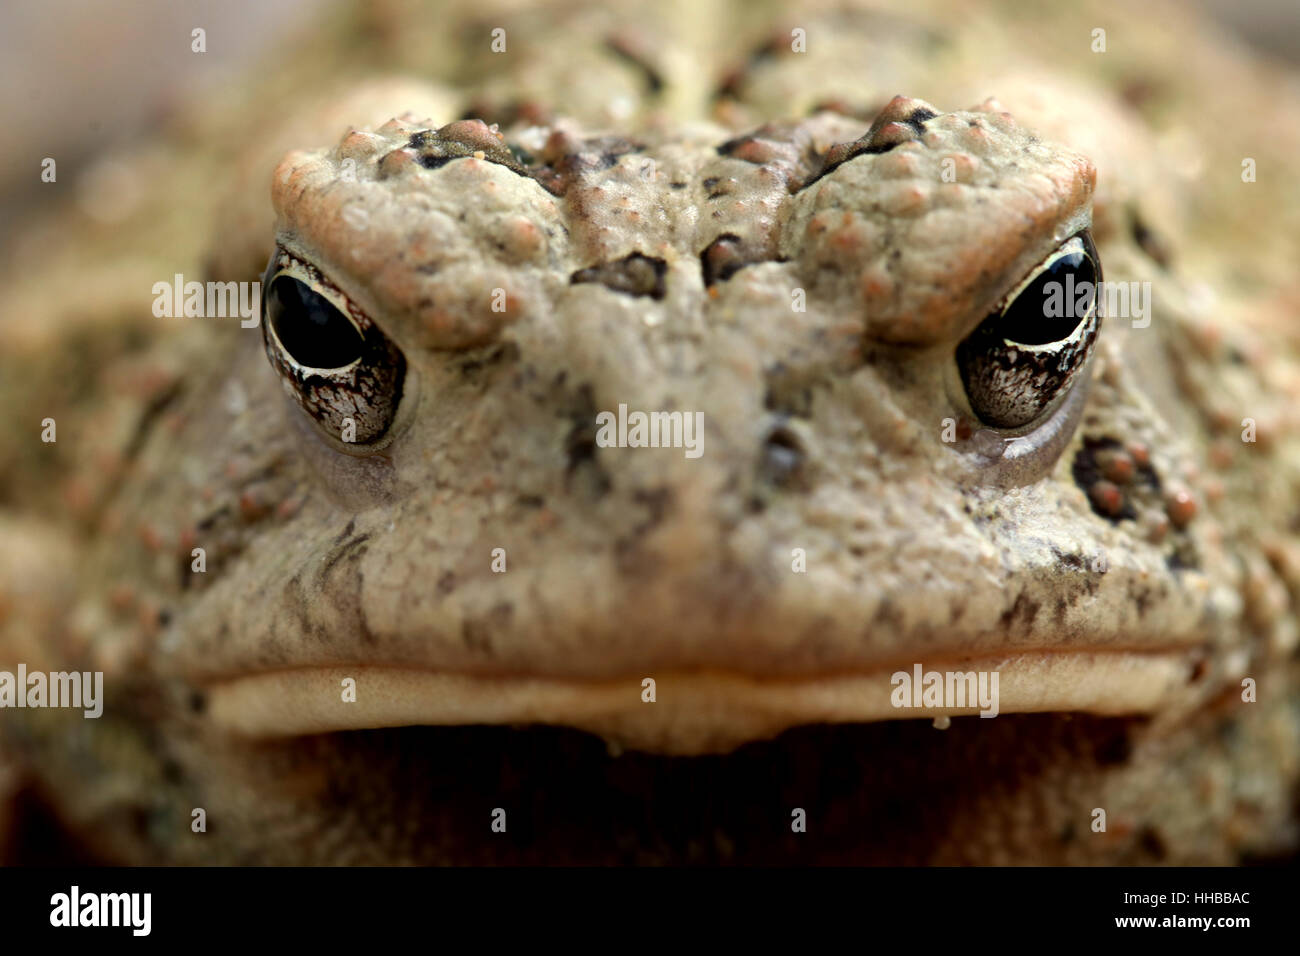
{"x": 608, "y": 213}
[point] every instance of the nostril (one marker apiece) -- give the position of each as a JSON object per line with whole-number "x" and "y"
{"x": 584, "y": 471}
{"x": 580, "y": 445}
{"x": 783, "y": 458}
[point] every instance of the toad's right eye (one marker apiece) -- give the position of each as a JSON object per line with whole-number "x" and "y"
{"x": 1022, "y": 360}
{"x": 332, "y": 360}
{"x": 311, "y": 329}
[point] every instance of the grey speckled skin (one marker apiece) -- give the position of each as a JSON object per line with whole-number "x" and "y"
{"x": 1123, "y": 561}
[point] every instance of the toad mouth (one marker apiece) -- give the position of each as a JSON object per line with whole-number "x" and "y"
{"x": 693, "y": 712}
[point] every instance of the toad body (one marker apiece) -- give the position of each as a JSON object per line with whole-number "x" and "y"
{"x": 362, "y": 573}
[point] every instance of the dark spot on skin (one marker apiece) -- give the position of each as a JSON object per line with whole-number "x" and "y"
{"x": 887, "y": 616}
{"x": 1073, "y": 561}
{"x": 1199, "y": 670}
{"x": 198, "y": 702}
{"x": 531, "y": 501}
{"x": 1121, "y": 500}
{"x": 782, "y": 460}
{"x": 731, "y": 145}
{"x": 474, "y": 634}
{"x": 1087, "y": 473}
{"x": 346, "y": 532}
{"x": 1023, "y": 609}
{"x": 569, "y": 161}
{"x": 635, "y": 274}
{"x": 723, "y": 258}
{"x": 678, "y": 185}
{"x": 1058, "y": 613}
{"x": 918, "y": 118}
{"x": 958, "y": 610}
{"x": 787, "y": 393}
{"x": 437, "y": 147}
{"x": 212, "y": 519}
{"x": 834, "y": 161}
{"x": 657, "y": 502}
{"x": 349, "y": 550}
{"x": 1183, "y": 558}
{"x": 869, "y": 144}
{"x": 477, "y": 633}
{"x": 447, "y": 583}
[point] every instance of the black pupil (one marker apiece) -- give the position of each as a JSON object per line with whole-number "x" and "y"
{"x": 1040, "y": 315}
{"x": 309, "y": 326}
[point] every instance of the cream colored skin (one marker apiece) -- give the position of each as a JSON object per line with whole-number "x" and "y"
{"x": 328, "y": 561}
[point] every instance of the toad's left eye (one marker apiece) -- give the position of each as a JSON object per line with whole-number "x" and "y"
{"x": 1025, "y": 355}
{"x": 332, "y": 360}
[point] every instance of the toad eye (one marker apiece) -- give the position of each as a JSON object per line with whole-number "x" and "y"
{"x": 332, "y": 360}
{"x": 1026, "y": 354}
{"x": 312, "y": 330}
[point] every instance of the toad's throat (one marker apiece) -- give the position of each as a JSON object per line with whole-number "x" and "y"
{"x": 693, "y": 712}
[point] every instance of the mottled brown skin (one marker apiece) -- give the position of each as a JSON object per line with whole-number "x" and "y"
{"x": 625, "y": 564}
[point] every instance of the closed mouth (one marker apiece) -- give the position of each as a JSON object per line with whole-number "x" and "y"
{"x": 695, "y": 711}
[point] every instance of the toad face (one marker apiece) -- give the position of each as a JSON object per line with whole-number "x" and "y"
{"x": 887, "y": 471}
